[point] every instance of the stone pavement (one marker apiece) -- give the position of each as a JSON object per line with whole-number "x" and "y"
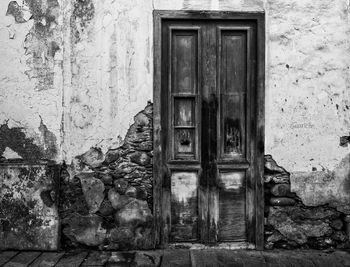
{"x": 177, "y": 257}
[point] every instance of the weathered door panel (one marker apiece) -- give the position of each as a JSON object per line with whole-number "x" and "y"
{"x": 232, "y": 211}
{"x": 184, "y": 206}
{"x": 236, "y": 53}
{"x": 208, "y": 129}
{"x": 207, "y": 114}
{"x": 183, "y": 142}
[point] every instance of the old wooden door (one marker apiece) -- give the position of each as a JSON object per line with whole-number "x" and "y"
{"x": 208, "y": 126}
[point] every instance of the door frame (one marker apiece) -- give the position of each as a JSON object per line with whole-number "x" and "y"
{"x": 256, "y": 235}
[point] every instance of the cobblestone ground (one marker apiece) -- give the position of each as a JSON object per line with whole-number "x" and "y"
{"x": 177, "y": 257}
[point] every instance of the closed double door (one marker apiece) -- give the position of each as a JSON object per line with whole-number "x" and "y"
{"x": 208, "y": 120}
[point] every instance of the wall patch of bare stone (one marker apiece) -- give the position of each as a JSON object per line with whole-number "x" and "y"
{"x": 107, "y": 202}
{"x": 292, "y": 221}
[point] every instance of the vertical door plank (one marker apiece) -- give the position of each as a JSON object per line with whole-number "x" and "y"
{"x": 260, "y": 132}
{"x": 233, "y": 127}
{"x": 161, "y": 134}
{"x": 47, "y": 259}
{"x": 166, "y": 210}
{"x": 5, "y": 256}
{"x": 157, "y": 137}
{"x": 204, "y": 99}
{"x": 209, "y": 125}
{"x": 23, "y": 259}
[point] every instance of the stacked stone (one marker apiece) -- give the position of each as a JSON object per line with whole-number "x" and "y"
{"x": 277, "y": 181}
{"x": 108, "y": 202}
{"x": 291, "y": 224}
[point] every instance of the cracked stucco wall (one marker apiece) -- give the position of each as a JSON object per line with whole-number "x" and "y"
{"x": 308, "y": 82}
{"x": 83, "y": 68}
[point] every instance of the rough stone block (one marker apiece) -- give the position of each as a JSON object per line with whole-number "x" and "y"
{"x": 140, "y": 158}
{"x": 340, "y": 236}
{"x": 121, "y": 185}
{"x": 134, "y": 213}
{"x": 123, "y": 235}
{"x": 93, "y": 190}
{"x": 106, "y": 208}
{"x": 277, "y": 178}
{"x": 282, "y": 201}
{"x": 280, "y": 190}
{"x": 275, "y": 237}
{"x": 106, "y": 178}
{"x": 112, "y": 155}
{"x": 118, "y": 201}
{"x": 85, "y": 230}
{"x": 93, "y": 157}
{"x": 337, "y": 224}
{"x": 131, "y": 192}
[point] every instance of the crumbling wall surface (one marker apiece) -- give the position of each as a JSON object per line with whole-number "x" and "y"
{"x": 28, "y": 207}
{"x": 30, "y": 79}
{"x": 292, "y": 223}
{"x": 30, "y": 122}
{"x": 106, "y": 198}
{"x": 108, "y": 70}
{"x": 308, "y": 99}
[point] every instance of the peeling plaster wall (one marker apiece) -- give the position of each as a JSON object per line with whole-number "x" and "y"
{"x": 104, "y": 62}
{"x": 74, "y": 73}
{"x": 31, "y": 76}
{"x": 307, "y": 82}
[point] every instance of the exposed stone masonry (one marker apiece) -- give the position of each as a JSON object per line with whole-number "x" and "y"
{"x": 108, "y": 201}
{"x": 291, "y": 224}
